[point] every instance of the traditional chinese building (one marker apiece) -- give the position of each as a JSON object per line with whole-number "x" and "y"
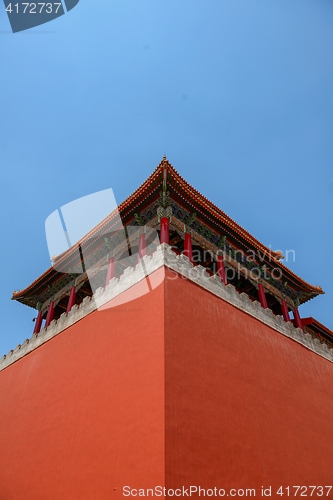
{"x": 168, "y": 350}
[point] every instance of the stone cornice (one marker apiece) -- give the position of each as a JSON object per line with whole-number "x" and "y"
{"x": 180, "y": 264}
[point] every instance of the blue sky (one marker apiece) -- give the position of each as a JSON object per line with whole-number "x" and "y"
{"x": 237, "y": 93}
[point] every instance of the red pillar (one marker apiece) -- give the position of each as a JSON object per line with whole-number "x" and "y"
{"x": 262, "y": 296}
{"x": 298, "y": 321}
{"x": 110, "y": 271}
{"x": 221, "y": 269}
{"x": 285, "y": 311}
{"x": 50, "y": 314}
{"x": 164, "y": 234}
{"x": 71, "y": 300}
{"x": 188, "y": 247}
{"x": 38, "y": 322}
{"x": 142, "y": 246}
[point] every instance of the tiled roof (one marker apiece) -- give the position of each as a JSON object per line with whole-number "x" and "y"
{"x": 193, "y": 198}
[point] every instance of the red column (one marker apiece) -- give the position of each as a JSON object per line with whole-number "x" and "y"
{"x": 188, "y": 247}
{"x": 38, "y": 322}
{"x": 164, "y": 234}
{"x": 221, "y": 269}
{"x": 142, "y": 246}
{"x": 298, "y": 321}
{"x": 50, "y": 314}
{"x": 111, "y": 270}
{"x": 285, "y": 311}
{"x": 262, "y": 296}
{"x": 71, "y": 300}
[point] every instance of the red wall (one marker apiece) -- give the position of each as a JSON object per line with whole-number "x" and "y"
{"x": 176, "y": 387}
{"x": 83, "y": 415}
{"x": 245, "y": 406}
